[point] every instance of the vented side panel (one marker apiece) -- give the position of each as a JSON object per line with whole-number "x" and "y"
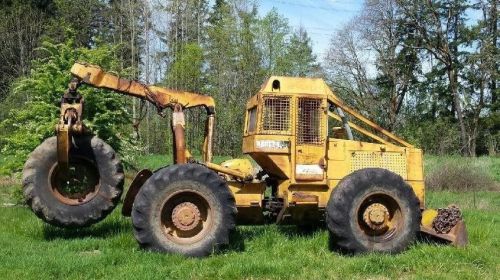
{"x": 395, "y": 162}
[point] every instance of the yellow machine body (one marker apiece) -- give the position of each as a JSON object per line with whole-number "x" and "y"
{"x": 290, "y": 131}
{"x": 242, "y": 165}
{"x": 295, "y": 130}
{"x": 287, "y": 132}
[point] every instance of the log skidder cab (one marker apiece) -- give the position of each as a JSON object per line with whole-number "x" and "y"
{"x": 307, "y": 169}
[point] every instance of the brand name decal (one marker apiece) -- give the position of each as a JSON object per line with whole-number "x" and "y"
{"x": 308, "y": 169}
{"x": 272, "y": 144}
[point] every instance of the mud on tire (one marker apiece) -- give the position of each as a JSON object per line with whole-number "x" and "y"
{"x": 372, "y": 210}
{"x": 184, "y": 209}
{"x": 86, "y": 196}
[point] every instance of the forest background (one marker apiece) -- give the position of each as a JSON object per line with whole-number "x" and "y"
{"x": 426, "y": 70}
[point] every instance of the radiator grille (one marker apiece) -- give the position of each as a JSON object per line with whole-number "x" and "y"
{"x": 395, "y": 162}
{"x": 276, "y": 115}
{"x": 310, "y": 123}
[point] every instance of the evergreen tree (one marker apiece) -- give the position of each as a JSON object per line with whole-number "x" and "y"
{"x": 299, "y": 59}
{"x": 222, "y": 59}
{"x": 22, "y": 24}
{"x": 274, "y": 31}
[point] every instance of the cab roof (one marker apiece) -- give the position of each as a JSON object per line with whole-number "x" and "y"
{"x": 295, "y": 85}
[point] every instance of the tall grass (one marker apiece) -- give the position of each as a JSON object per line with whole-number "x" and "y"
{"x": 456, "y": 173}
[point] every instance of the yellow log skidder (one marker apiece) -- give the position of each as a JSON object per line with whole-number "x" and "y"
{"x": 371, "y": 195}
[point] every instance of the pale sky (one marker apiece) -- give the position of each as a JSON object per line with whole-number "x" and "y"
{"x": 321, "y": 18}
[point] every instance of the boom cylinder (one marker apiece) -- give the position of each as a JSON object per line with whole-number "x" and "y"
{"x": 208, "y": 143}
{"x": 178, "y": 124}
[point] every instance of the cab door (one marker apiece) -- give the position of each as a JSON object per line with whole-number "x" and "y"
{"x": 310, "y": 139}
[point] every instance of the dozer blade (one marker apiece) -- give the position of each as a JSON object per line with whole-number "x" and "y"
{"x": 445, "y": 224}
{"x": 457, "y": 235}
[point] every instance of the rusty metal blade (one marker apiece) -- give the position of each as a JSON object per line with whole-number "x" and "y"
{"x": 460, "y": 233}
{"x": 457, "y": 236}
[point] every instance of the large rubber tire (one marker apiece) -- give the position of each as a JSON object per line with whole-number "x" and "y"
{"x": 152, "y": 212}
{"x": 350, "y": 200}
{"x": 42, "y": 193}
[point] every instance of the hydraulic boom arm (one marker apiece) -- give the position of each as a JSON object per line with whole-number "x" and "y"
{"x": 160, "y": 97}
{"x": 72, "y": 108}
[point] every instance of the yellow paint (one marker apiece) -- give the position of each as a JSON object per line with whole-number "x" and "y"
{"x": 188, "y": 154}
{"x": 428, "y": 217}
{"x": 306, "y": 170}
{"x": 95, "y": 76}
{"x": 247, "y": 194}
{"x": 228, "y": 171}
{"x": 282, "y": 157}
{"x": 321, "y": 191}
{"x": 276, "y": 161}
{"x": 419, "y": 189}
{"x": 242, "y": 165}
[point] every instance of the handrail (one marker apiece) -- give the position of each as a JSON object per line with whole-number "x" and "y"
{"x": 337, "y": 102}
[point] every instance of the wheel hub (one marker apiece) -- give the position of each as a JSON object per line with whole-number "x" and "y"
{"x": 79, "y": 185}
{"x": 376, "y": 216}
{"x": 186, "y": 216}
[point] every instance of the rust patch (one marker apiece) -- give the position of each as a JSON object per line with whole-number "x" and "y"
{"x": 304, "y": 197}
{"x": 457, "y": 236}
{"x": 186, "y": 216}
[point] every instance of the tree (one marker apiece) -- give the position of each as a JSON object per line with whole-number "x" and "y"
{"x": 186, "y": 24}
{"x": 40, "y": 94}
{"x": 84, "y": 21}
{"x": 223, "y": 74}
{"x": 187, "y": 68}
{"x": 440, "y": 29}
{"x": 346, "y": 66}
{"x": 369, "y": 63}
{"x": 397, "y": 64}
{"x": 299, "y": 59}
{"x": 234, "y": 70}
{"x": 184, "y": 37}
{"x": 489, "y": 61}
{"x": 22, "y": 23}
{"x": 274, "y": 31}
{"x": 249, "y": 56}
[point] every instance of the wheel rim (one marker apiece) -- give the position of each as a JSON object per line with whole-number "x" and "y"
{"x": 79, "y": 186}
{"x": 186, "y": 217}
{"x": 379, "y": 216}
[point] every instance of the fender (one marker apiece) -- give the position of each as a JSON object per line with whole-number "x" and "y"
{"x": 134, "y": 188}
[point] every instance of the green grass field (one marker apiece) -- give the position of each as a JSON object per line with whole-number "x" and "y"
{"x": 30, "y": 249}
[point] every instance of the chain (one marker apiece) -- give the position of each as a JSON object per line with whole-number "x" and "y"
{"x": 446, "y": 219}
